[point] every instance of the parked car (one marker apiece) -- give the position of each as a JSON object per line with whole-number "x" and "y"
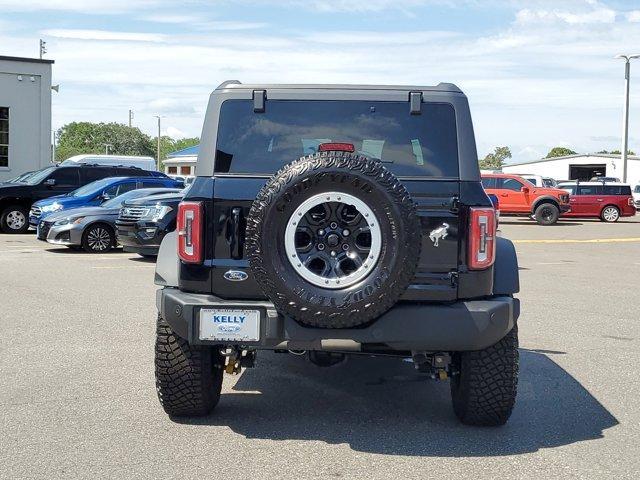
{"x": 303, "y": 237}
{"x": 145, "y": 163}
{"x": 608, "y": 202}
{"x": 20, "y": 178}
{"x": 143, "y": 222}
{"x": 540, "y": 181}
{"x": 605, "y": 179}
{"x": 636, "y": 196}
{"x": 520, "y": 197}
{"x": 94, "y": 194}
{"x": 91, "y": 228}
{"x": 17, "y": 197}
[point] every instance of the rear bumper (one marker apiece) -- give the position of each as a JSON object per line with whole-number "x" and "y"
{"x": 459, "y": 326}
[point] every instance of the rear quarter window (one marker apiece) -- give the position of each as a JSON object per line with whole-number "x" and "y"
{"x": 617, "y": 190}
{"x": 409, "y": 145}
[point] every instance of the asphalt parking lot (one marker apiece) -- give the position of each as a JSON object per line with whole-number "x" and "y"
{"x": 78, "y": 397}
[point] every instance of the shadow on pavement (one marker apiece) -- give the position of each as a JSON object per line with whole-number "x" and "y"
{"x": 145, "y": 259}
{"x": 380, "y": 405}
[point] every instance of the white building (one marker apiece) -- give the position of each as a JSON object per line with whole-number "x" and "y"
{"x": 579, "y": 167}
{"x": 183, "y": 162}
{"x": 25, "y": 115}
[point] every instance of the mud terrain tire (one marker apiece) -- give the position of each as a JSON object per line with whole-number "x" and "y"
{"x": 188, "y": 377}
{"x": 484, "y": 390}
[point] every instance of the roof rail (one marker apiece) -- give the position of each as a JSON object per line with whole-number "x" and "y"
{"x": 228, "y": 82}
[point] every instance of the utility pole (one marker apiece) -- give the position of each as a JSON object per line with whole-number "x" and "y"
{"x": 53, "y": 147}
{"x": 158, "y": 157}
{"x": 43, "y": 48}
{"x": 625, "y": 112}
{"x": 130, "y": 117}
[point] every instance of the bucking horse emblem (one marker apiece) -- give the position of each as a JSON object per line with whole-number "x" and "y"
{"x": 438, "y": 234}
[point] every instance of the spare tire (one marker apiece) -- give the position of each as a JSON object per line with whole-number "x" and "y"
{"x": 333, "y": 239}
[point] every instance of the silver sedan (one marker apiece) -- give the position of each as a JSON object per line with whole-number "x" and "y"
{"x": 90, "y": 228}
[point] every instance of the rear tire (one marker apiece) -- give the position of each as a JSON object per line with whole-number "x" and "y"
{"x": 484, "y": 390}
{"x": 610, "y": 214}
{"x": 14, "y": 219}
{"x": 188, "y": 377}
{"x": 546, "y": 214}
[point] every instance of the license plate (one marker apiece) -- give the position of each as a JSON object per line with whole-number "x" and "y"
{"x": 229, "y": 324}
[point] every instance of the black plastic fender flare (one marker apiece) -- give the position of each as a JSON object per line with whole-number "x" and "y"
{"x": 545, "y": 199}
{"x": 506, "y": 276}
{"x": 168, "y": 264}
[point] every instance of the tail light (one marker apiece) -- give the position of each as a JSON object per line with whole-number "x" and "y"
{"x": 189, "y": 226}
{"x": 482, "y": 238}
{"x": 630, "y": 201}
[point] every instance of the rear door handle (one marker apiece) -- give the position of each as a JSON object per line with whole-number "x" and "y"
{"x": 599, "y": 199}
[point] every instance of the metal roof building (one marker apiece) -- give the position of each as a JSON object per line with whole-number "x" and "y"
{"x": 182, "y": 162}
{"x": 579, "y": 167}
{"x": 25, "y": 115}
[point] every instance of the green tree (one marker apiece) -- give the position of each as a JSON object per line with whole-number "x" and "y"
{"x": 495, "y": 159}
{"x": 85, "y": 137}
{"x": 185, "y": 143}
{"x": 559, "y": 152}
{"x": 169, "y": 145}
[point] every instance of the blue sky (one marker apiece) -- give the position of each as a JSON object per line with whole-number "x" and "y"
{"x": 538, "y": 73}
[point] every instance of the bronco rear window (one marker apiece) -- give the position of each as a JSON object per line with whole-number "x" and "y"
{"x": 409, "y": 145}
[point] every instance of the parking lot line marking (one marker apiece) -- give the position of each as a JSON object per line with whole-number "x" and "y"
{"x": 591, "y": 240}
{"x": 114, "y": 267}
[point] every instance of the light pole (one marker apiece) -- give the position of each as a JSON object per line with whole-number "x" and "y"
{"x": 158, "y": 158}
{"x": 625, "y": 112}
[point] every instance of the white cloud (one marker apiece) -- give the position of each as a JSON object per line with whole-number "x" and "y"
{"x": 171, "y": 18}
{"x": 597, "y": 15}
{"x": 175, "y": 133}
{"x": 104, "y": 35}
{"x": 80, "y": 6}
{"x": 200, "y": 23}
{"x": 170, "y": 106}
{"x": 633, "y": 16}
{"x": 359, "y": 5}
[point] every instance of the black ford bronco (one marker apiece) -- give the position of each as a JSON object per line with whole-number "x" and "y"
{"x": 337, "y": 220}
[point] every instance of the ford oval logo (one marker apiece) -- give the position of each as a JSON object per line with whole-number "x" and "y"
{"x": 229, "y": 328}
{"x": 235, "y": 275}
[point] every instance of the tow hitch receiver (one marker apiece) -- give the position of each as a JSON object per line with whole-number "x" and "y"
{"x": 437, "y": 365}
{"x": 237, "y": 358}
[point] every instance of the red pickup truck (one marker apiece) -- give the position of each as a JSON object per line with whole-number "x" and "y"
{"x": 606, "y": 201}
{"x": 518, "y": 196}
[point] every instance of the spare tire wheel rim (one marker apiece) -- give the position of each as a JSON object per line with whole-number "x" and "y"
{"x": 333, "y": 240}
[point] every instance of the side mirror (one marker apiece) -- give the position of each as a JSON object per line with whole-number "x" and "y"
{"x": 525, "y": 189}
{"x": 50, "y": 182}
{"x": 104, "y": 196}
